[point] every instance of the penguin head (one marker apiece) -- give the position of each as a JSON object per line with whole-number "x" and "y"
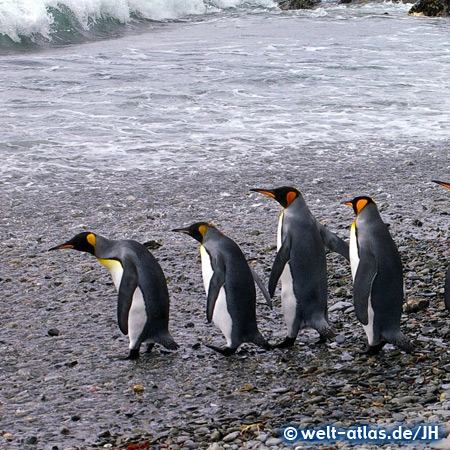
{"x": 359, "y": 203}
{"x": 83, "y": 242}
{"x": 196, "y": 230}
{"x": 442, "y": 183}
{"x": 284, "y": 195}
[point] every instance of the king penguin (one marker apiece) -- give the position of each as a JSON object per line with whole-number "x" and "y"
{"x": 301, "y": 265}
{"x": 143, "y": 298}
{"x": 230, "y": 288}
{"x": 447, "y": 278}
{"x": 377, "y": 278}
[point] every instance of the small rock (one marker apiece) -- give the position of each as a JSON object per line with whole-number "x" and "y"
{"x": 216, "y": 435}
{"x": 152, "y": 245}
{"x": 231, "y": 437}
{"x": 262, "y": 437}
{"x": 415, "y": 305}
{"x": 443, "y": 444}
{"x": 53, "y": 332}
{"x": 398, "y": 417}
{"x": 338, "y": 306}
{"x": 273, "y": 441}
{"x": 215, "y": 446}
{"x": 405, "y": 400}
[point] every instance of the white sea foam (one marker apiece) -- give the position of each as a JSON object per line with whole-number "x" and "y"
{"x": 36, "y": 17}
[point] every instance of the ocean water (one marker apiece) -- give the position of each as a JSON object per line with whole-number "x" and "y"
{"x": 164, "y": 84}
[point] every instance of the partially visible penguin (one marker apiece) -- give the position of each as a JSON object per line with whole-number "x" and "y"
{"x": 230, "y": 288}
{"x": 301, "y": 265}
{"x": 377, "y": 278}
{"x": 447, "y": 278}
{"x": 143, "y": 298}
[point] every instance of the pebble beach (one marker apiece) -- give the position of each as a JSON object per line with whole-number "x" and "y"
{"x": 62, "y": 382}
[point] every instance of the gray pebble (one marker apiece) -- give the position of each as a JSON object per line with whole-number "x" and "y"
{"x": 231, "y": 436}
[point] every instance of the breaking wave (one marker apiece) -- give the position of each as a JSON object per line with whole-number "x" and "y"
{"x": 27, "y": 23}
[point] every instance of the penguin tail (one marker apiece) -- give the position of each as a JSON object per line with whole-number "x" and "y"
{"x": 168, "y": 342}
{"x": 325, "y": 331}
{"x": 260, "y": 341}
{"x": 400, "y": 341}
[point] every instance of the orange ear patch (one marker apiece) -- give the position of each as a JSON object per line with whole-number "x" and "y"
{"x": 202, "y": 230}
{"x": 91, "y": 239}
{"x": 290, "y": 197}
{"x": 360, "y": 204}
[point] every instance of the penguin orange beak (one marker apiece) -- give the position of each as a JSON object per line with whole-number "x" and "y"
{"x": 264, "y": 191}
{"x": 442, "y": 183}
{"x": 61, "y": 247}
{"x": 348, "y": 204}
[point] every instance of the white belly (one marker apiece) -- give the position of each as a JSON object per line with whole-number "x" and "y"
{"x": 354, "y": 257}
{"x": 221, "y": 317}
{"x": 137, "y": 316}
{"x": 280, "y": 226}
{"x": 369, "y": 327}
{"x": 288, "y": 300}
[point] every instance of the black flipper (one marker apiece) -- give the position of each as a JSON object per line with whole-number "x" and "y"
{"x": 365, "y": 274}
{"x": 215, "y": 284}
{"x": 128, "y": 285}
{"x": 447, "y": 290}
{"x": 282, "y": 258}
{"x": 334, "y": 242}
{"x": 261, "y": 286}
{"x": 288, "y": 342}
{"x": 227, "y": 351}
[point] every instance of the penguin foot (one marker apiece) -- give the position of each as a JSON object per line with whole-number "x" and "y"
{"x": 288, "y": 342}
{"x": 322, "y": 339}
{"x": 227, "y": 351}
{"x": 371, "y": 350}
{"x": 150, "y": 347}
{"x": 133, "y": 355}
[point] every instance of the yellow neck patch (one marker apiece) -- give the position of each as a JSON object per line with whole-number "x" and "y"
{"x": 110, "y": 264}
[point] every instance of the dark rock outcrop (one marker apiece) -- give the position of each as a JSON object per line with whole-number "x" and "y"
{"x": 432, "y": 8}
{"x": 298, "y": 4}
